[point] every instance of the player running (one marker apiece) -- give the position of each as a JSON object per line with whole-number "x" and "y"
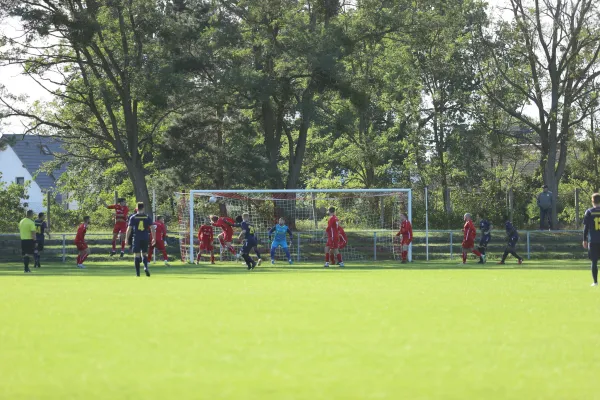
{"x": 205, "y": 240}
{"x": 140, "y": 225}
{"x": 513, "y": 238}
{"x": 591, "y": 235}
{"x": 485, "y": 227}
{"x": 333, "y": 240}
{"x": 121, "y": 218}
{"x": 281, "y": 230}
{"x": 248, "y": 236}
{"x": 226, "y": 236}
{"x": 468, "y": 244}
{"x": 407, "y": 236}
{"x": 41, "y": 228}
{"x": 81, "y": 244}
{"x": 161, "y": 240}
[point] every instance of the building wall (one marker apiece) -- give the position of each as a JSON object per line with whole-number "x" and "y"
{"x": 12, "y": 168}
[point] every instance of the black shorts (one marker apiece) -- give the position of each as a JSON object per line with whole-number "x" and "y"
{"x": 249, "y": 245}
{"x": 485, "y": 239}
{"x": 594, "y": 251}
{"x": 140, "y": 245}
{"x": 27, "y": 247}
{"x": 40, "y": 245}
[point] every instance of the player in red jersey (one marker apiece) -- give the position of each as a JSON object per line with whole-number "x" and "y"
{"x": 225, "y": 237}
{"x": 161, "y": 240}
{"x": 82, "y": 246}
{"x": 205, "y": 240}
{"x": 121, "y": 218}
{"x": 407, "y": 236}
{"x": 468, "y": 244}
{"x": 333, "y": 240}
{"x": 342, "y": 241}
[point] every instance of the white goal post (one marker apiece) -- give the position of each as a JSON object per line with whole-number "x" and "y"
{"x": 371, "y": 218}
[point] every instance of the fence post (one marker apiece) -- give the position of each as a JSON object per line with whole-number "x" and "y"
{"x": 298, "y": 249}
{"x": 528, "y": 247}
{"x": 64, "y": 248}
{"x": 451, "y": 238}
{"x": 375, "y": 246}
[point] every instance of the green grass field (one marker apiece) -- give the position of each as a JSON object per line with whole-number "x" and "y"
{"x": 371, "y": 331}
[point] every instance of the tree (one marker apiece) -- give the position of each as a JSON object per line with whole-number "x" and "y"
{"x": 102, "y": 63}
{"x": 546, "y": 58}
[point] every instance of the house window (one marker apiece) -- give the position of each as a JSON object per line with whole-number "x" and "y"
{"x": 46, "y": 150}
{"x": 20, "y": 181}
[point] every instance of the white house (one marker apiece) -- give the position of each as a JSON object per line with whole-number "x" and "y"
{"x": 21, "y": 157}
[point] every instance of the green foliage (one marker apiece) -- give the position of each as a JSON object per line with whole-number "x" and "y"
{"x": 12, "y": 207}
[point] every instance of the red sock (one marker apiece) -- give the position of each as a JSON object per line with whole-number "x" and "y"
{"x": 212, "y": 258}
{"x": 122, "y": 246}
{"x": 198, "y": 256}
{"x": 165, "y": 256}
{"x": 78, "y": 260}
{"x": 327, "y": 257}
{"x": 464, "y": 257}
{"x": 477, "y": 253}
{"x": 150, "y": 253}
{"x": 405, "y": 255}
{"x": 114, "y": 245}
{"x": 221, "y": 241}
{"x": 232, "y": 249}
{"x": 83, "y": 258}
{"x": 339, "y": 257}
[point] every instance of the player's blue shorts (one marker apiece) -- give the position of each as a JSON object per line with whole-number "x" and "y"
{"x": 485, "y": 239}
{"x": 249, "y": 244}
{"x": 512, "y": 242}
{"x": 277, "y": 243}
{"x": 140, "y": 245}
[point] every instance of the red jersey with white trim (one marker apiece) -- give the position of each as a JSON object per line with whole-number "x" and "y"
{"x": 80, "y": 237}
{"x": 161, "y": 231}
{"x": 121, "y": 212}
{"x": 225, "y": 223}
{"x": 333, "y": 226}
{"x": 205, "y": 233}
{"x": 469, "y": 230}
{"x": 405, "y": 230}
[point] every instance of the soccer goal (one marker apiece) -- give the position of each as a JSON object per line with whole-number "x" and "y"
{"x": 370, "y": 218}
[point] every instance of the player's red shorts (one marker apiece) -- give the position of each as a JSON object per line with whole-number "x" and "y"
{"x": 342, "y": 244}
{"x": 81, "y": 246}
{"x": 468, "y": 244}
{"x": 160, "y": 244}
{"x": 120, "y": 227}
{"x": 206, "y": 245}
{"x": 227, "y": 237}
{"x": 333, "y": 244}
{"x": 405, "y": 241}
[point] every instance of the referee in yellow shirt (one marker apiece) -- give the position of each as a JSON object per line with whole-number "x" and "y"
{"x": 28, "y": 243}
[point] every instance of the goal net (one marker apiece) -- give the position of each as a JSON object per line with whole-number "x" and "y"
{"x": 369, "y": 217}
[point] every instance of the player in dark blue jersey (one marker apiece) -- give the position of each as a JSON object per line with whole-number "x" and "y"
{"x": 249, "y": 240}
{"x": 140, "y": 227}
{"x": 485, "y": 227}
{"x": 591, "y": 235}
{"x": 41, "y": 229}
{"x": 513, "y": 238}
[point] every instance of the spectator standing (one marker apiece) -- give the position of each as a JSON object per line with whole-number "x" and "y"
{"x": 544, "y": 202}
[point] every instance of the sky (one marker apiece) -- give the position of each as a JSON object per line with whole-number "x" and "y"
{"x": 15, "y": 82}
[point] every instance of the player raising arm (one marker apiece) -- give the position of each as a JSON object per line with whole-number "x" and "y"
{"x": 333, "y": 239}
{"x": 205, "y": 240}
{"x": 226, "y": 236}
{"x": 80, "y": 242}
{"x": 280, "y": 230}
{"x": 591, "y": 235}
{"x": 161, "y": 240}
{"x": 407, "y": 236}
{"x": 121, "y": 215}
{"x": 140, "y": 227}
{"x": 468, "y": 244}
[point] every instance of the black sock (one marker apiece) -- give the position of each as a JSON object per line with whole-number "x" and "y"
{"x": 257, "y": 253}
{"x": 248, "y": 260}
{"x": 504, "y": 255}
{"x": 595, "y": 271}
{"x": 145, "y": 259}
{"x": 26, "y": 262}
{"x": 137, "y": 265}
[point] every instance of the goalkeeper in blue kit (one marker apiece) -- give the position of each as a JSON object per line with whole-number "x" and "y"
{"x": 281, "y": 231}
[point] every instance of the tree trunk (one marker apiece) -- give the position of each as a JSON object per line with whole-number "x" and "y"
{"x": 138, "y": 179}
{"x": 306, "y": 118}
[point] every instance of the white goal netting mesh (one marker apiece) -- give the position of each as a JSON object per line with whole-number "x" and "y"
{"x": 370, "y": 220}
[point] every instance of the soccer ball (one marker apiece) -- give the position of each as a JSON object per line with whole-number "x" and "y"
{"x": 212, "y": 199}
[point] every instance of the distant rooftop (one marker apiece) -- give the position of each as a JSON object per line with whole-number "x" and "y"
{"x": 33, "y": 151}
